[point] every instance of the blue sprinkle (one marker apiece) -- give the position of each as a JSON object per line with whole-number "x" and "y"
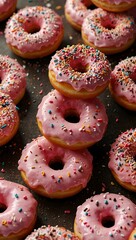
{"x": 20, "y": 209}
{"x": 50, "y": 112}
{"x": 106, "y": 202}
{"x": 16, "y": 195}
{"x": 3, "y": 126}
{"x": 52, "y": 125}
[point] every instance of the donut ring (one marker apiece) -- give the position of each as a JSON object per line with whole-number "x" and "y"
{"x": 9, "y": 119}
{"x": 7, "y": 7}
{"x": 133, "y": 235}
{"x": 109, "y": 32}
{"x": 40, "y": 32}
{"x": 13, "y": 78}
{"x": 105, "y": 216}
{"x": 122, "y": 83}
{"x": 76, "y": 11}
{"x": 53, "y": 233}
{"x": 115, "y": 5}
{"x": 19, "y": 211}
{"x": 53, "y": 116}
{"x": 79, "y": 71}
{"x": 59, "y": 172}
{"x": 122, "y": 159}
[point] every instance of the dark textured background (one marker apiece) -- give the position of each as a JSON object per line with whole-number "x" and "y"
{"x": 51, "y": 211}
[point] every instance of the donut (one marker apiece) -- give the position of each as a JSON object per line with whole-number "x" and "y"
{"x": 34, "y": 32}
{"x": 59, "y": 172}
{"x": 7, "y": 7}
{"x": 79, "y": 71}
{"x": 13, "y": 78}
{"x": 122, "y": 83}
{"x": 53, "y": 233}
{"x": 76, "y": 11}
{"x": 71, "y": 123}
{"x": 133, "y": 235}
{"x": 115, "y": 5}
{"x": 9, "y": 119}
{"x": 109, "y": 32}
{"x": 105, "y": 216}
{"x": 19, "y": 211}
{"x": 122, "y": 161}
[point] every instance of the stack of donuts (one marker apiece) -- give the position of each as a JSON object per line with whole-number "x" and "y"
{"x": 70, "y": 118}
{"x": 107, "y": 28}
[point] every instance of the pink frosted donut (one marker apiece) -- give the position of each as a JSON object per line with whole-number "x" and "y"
{"x": 34, "y": 32}
{"x": 122, "y": 159}
{"x": 19, "y": 211}
{"x": 52, "y": 233}
{"x": 109, "y": 32}
{"x": 76, "y": 11}
{"x": 123, "y": 83}
{"x": 115, "y": 5}
{"x": 79, "y": 71}
{"x": 71, "y": 123}
{"x": 105, "y": 216}
{"x": 7, "y": 7}
{"x": 59, "y": 172}
{"x": 9, "y": 119}
{"x": 13, "y": 78}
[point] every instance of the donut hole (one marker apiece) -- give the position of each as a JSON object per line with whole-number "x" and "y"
{"x": 3, "y": 207}
{"x": 72, "y": 116}
{"x": 108, "y": 23}
{"x": 108, "y": 221}
{"x": 32, "y": 27}
{"x": 56, "y": 164}
{"x": 78, "y": 65}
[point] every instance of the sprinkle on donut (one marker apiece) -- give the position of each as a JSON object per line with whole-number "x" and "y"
{"x": 105, "y": 216}
{"x": 122, "y": 159}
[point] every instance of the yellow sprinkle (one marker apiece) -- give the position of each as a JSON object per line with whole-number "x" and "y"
{"x": 4, "y": 222}
{"x": 69, "y": 175}
{"x": 43, "y": 173}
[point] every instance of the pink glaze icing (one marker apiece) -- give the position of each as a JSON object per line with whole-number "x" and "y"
{"x": 5, "y": 5}
{"x": 90, "y": 127}
{"x": 66, "y": 62}
{"x": 117, "y": 2}
{"x": 46, "y": 21}
{"x": 52, "y": 233}
{"x": 40, "y": 153}
{"x": 122, "y": 157}
{"x": 77, "y": 10}
{"x": 20, "y": 208}
{"x": 13, "y": 77}
{"x": 123, "y": 79}
{"x": 93, "y": 214}
{"x": 8, "y": 116}
{"x": 96, "y": 26}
